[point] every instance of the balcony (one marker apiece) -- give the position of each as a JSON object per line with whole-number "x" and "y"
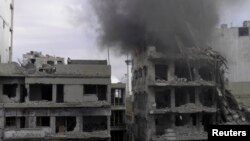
{"x": 27, "y": 133}
{"x": 185, "y": 109}
{"x": 81, "y": 135}
{"x": 46, "y": 104}
{"x": 181, "y": 82}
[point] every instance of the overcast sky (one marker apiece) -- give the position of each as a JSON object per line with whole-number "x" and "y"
{"x": 67, "y": 28}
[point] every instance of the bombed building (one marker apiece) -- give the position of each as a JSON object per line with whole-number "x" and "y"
{"x": 176, "y": 96}
{"x": 64, "y": 102}
{"x": 40, "y": 60}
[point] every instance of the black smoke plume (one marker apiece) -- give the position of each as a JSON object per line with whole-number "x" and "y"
{"x": 130, "y": 24}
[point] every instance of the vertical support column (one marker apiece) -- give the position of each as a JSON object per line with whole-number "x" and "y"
{"x": 79, "y": 124}
{"x": 2, "y": 122}
{"x": 1, "y": 93}
{"x": 171, "y": 71}
{"x": 196, "y": 74}
{"x": 108, "y": 95}
{"x": 108, "y": 123}
{"x": 27, "y": 98}
{"x": 187, "y": 97}
{"x": 18, "y": 122}
{"x": 172, "y": 120}
{"x": 197, "y": 96}
{"x": 214, "y": 100}
{"x": 199, "y": 120}
{"x": 53, "y": 124}
{"x": 123, "y": 96}
{"x": 2, "y": 118}
{"x": 32, "y": 121}
{"x": 108, "y": 126}
{"x": 18, "y": 93}
{"x": 54, "y": 93}
{"x": 150, "y": 98}
{"x": 172, "y": 97}
{"x": 151, "y": 74}
{"x": 114, "y": 102}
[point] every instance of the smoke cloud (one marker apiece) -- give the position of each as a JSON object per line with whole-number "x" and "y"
{"x": 130, "y": 24}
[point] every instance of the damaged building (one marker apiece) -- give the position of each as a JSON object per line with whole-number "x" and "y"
{"x": 117, "y": 119}
{"x": 41, "y": 61}
{"x": 72, "y": 102}
{"x": 176, "y": 96}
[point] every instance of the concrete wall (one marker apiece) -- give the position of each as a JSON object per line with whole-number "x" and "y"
{"x": 241, "y": 91}
{"x": 26, "y": 133}
{"x": 236, "y": 50}
{"x": 73, "y": 93}
{"x": 5, "y": 30}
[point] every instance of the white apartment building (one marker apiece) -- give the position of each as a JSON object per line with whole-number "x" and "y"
{"x": 6, "y": 30}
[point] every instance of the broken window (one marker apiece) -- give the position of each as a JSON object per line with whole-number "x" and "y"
{"x": 23, "y": 93}
{"x": 117, "y": 96}
{"x": 51, "y": 62}
{"x": 243, "y": 31}
{"x": 162, "y": 122}
{"x": 22, "y": 122}
{"x": 184, "y": 96}
{"x": 183, "y": 70}
{"x": 65, "y": 124}
{"x": 206, "y": 73}
{"x": 117, "y": 135}
{"x": 99, "y": 90}
{"x": 43, "y": 121}
{"x": 40, "y": 92}
{"x": 9, "y": 90}
{"x": 94, "y": 123}
{"x": 59, "y": 62}
{"x": 60, "y": 93}
{"x": 161, "y": 72}
{"x": 10, "y": 121}
{"x": 40, "y": 69}
{"x": 207, "y": 97}
{"x": 33, "y": 61}
{"x": 182, "y": 119}
{"x": 117, "y": 118}
{"x": 163, "y": 99}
